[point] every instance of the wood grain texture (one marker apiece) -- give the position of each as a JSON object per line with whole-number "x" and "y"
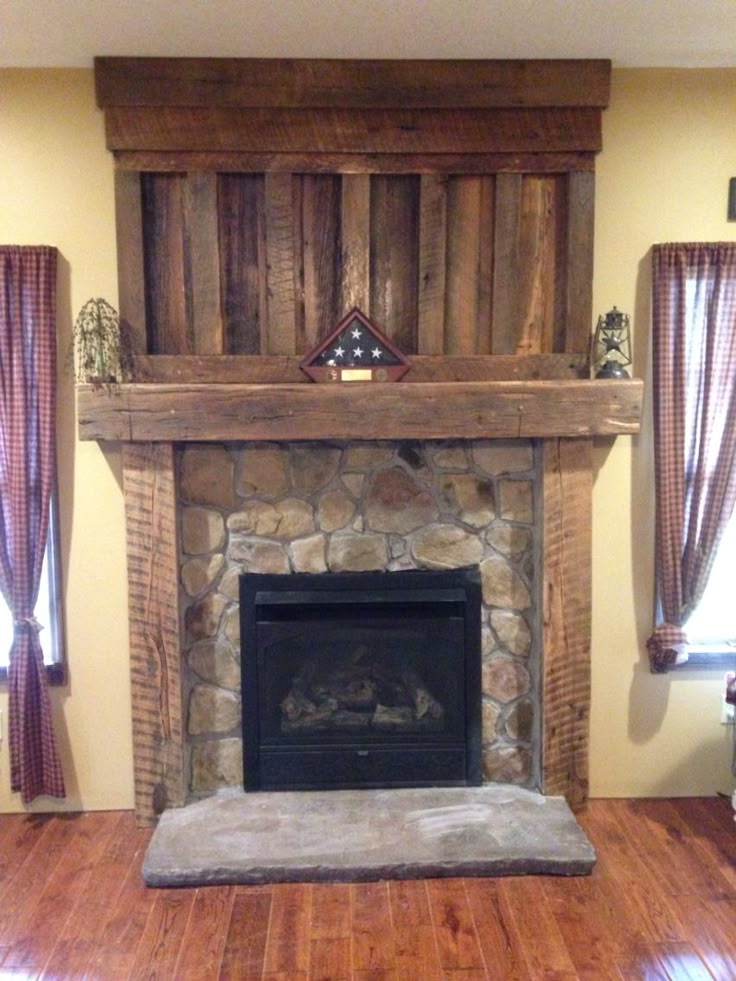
{"x": 355, "y": 216}
{"x": 506, "y": 251}
{"x": 202, "y": 261}
{"x": 281, "y": 130}
{"x": 394, "y": 260}
{"x": 578, "y": 318}
{"x": 631, "y": 918}
{"x": 285, "y": 370}
{"x": 538, "y": 250}
{"x": 329, "y": 162}
{"x": 301, "y": 83}
{"x": 432, "y": 265}
{"x": 242, "y": 248}
{"x": 567, "y": 489}
{"x": 131, "y": 265}
{"x": 169, "y": 327}
{"x": 321, "y": 259}
{"x": 424, "y": 410}
{"x": 281, "y": 264}
{"x": 153, "y": 622}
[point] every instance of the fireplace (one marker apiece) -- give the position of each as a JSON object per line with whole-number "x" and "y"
{"x": 361, "y": 680}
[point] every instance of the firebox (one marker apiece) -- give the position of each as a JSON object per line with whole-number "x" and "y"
{"x": 355, "y": 680}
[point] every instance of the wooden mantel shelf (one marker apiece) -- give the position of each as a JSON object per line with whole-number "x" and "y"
{"x": 423, "y": 410}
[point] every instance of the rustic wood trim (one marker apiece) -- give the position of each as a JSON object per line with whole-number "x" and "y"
{"x": 429, "y": 410}
{"x": 202, "y": 261}
{"x": 355, "y": 219}
{"x": 394, "y": 258}
{"x": 580, "y": 237}
{"x": 131, "y": 270}
{"x": 149, "y": 489}
{"x": 354, "y": 130}
{"x": 432, "y": 264}
{"x": 506, "y": 247}
{"x": 275, "y": 369}
{"x": 280, "y": 335}
{"x": 354, "y": 163}
{"x": 567, "y": 491}
{"x": 302, "y": 83}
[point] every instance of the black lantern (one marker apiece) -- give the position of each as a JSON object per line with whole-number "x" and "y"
{"x": 612, "y": 345}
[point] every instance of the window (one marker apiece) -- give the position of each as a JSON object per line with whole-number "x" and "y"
{"x": 711, "y": 629}
{"x": 47, "y": 612}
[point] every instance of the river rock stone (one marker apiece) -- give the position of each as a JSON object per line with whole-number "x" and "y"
{"x": 520, "y": 721}
{"x": 217, "y": 763}
{"x": 335, "y": 510}
{"x": 263, "y": 471}
{"x": 216, "y": 663}
{"x": 288, "y": 519}
{"x": 517, "y": 500}
{"x": 490, "y": 715}
{"x": 308, "y": 554}
{"x": 502, "y": 585}
{"x": 202, "y": 530}
{"x": 365, "y": 456}
{"x": 469, "y": 497}
{"x": 512, "y": 631}
{"x": 203, "y": 618}
{"x": 510, "y": 540}
{"x": 396, "y": 502}
{"x": 213, "y": 710}
{"x": 207, "y": 476}
{"x": 313, "y": 465}
{"x": 451, "y": 458}
{"x": 505, "y": 679}
{"x": 357, "y": 553}
{"x": 354, "y": 483}
{"x": 507, "y": 764}
{"x": 199, "y": 573}
{"x": 230, "y": 583}
{"x": 446, "y": 547}
{"x": 257, "y": 556}
{"x": 231, "y": 625}
{"x": 500, "y": 456}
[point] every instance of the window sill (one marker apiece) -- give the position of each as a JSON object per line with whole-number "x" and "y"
{"x": 718, "y": 658}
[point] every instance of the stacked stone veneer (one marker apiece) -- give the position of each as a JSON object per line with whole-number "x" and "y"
{"x": 322, "y": 507}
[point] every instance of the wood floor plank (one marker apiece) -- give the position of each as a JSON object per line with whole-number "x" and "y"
{"x": 415, "y": 948}
{"x": 712, "y": 833}
{"x": 163, "y": 936}
{"x": 370, "y": 929}
{"x": 542, "y": 942}
{"x": 203, "y": 946}
{"x": 288, "y": 937}
{"x": 330, "y": 947}
{"x": 247, "y": 934}
{"x": 497, "y": 934}
{"x": 682, "y": 963}
{"x": 66, "y": 888}
{"x": 454, "y": 928}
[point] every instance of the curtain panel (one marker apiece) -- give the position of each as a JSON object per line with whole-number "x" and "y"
{"x": 694, "y": 393}
{"x": 27, "y": 477}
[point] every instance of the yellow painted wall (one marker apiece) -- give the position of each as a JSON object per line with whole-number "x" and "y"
{"x": 670, "y": 149}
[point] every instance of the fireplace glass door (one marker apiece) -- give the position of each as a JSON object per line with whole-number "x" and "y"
{"x": 361, "y": 680}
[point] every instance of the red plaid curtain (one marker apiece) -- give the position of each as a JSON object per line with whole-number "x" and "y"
{"x": 27, "y": 473}
{"x": 694, "y": 360}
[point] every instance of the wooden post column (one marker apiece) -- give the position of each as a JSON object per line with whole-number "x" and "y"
{"x": 149, "y": 487}
{"x": 567, "y": 487}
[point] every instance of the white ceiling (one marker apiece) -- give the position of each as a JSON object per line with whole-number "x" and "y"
{"x": 632, "y": 33}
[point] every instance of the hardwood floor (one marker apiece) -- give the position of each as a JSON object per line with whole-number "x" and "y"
{"x": 661, "y": 903}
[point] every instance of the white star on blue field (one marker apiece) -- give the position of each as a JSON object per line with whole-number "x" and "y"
{"x": 345, "y": 349}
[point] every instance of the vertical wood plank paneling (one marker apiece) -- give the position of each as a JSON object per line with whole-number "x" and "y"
{"x": 165, "y": 275}
{"x": 483, "y": 338}
{"x": 131, "y": 268}
{"x": 506, "y": 264}
{"x": 202, "y": 261}
{"x": 280, "y": 335}
{"x": 243, "y": 261}
{"x": 463, "y": 248}
{"x": 432, "y": 264}
{"x": 153, "y": 615}
{"x": 321, "y": 195}
{"x": 355, "y": 234}
{"x": 537, "y": 253}
{"x": 394, "y": 255}
{"x": 579, "y": 272}
{"x": 566, "y": 555}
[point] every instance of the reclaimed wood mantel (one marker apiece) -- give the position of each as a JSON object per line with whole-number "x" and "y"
{"x": 423, "y": 410}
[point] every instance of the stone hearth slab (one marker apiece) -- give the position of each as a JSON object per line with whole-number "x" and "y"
{"x": 362, "y": 835}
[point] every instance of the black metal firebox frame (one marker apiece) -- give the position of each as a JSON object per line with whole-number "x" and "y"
{"x": 449, "y": 759}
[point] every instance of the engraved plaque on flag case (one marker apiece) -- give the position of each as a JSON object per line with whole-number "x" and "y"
{"x": 355, "y": 350}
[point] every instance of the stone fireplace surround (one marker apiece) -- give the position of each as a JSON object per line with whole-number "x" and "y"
{"x": 349, "y": 507}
